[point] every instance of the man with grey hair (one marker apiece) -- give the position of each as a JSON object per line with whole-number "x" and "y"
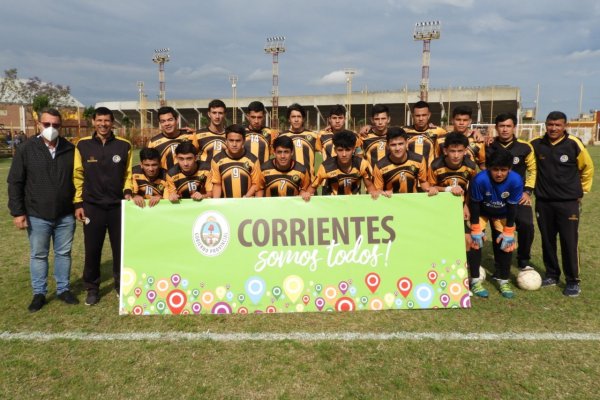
{"x": 40, "y": 193}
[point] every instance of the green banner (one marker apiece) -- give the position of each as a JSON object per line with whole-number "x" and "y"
{"x": 334, "y": 253}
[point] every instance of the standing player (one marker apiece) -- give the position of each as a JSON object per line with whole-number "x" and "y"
{"x": 401, "y": 170}
{"x": 336, "y": 123}
{"x": 461, "y": 123}
{"x": 422, "y": 134}
{"x": 170, "y": 136}
{"x": 212, "y": 138}
{"x": 188, "y": 178}
{"x": 494, "y": 195}
{"x": 305, "y": 141}
{"x": 149, "y": 180}
{"x": 344, "y": 172}
{"x": 373, "y": 142}
{"x": 235, "y": 171}
{"x": 259, "y": 138}
{"x": 282, "y": 175}
{"x": 564, "y": 174}
{"x": 524, "y": 165}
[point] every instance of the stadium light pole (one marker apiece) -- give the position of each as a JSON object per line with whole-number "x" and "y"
{"x": 142, "y": 106}
{"x": 161, "y": 56}
{"x": 274, "y": 46}
{"x": 425, "y": 32}
{"x": 233, "y": 79}
{"x": 349, "y": 73}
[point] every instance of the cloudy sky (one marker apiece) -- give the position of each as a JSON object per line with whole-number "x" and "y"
{"x": 102, "y": 48}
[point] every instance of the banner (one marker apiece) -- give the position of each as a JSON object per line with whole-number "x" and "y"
{"x": 334, "y": 253}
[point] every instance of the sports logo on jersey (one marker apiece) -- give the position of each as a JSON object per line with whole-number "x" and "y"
{"x": 564, "y": 158}
{"x": 309, "y": 138}
{"x": 516, "y": 160}
{"x": 295, "y": 178}
{"x": 211, "y": 233}
{"x": 116, "y": 158}
{"x": 504, "y": 195}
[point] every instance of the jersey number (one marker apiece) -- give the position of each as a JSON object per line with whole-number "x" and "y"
{"x": 192, "y": 186}
{"x": 235, "y": 172}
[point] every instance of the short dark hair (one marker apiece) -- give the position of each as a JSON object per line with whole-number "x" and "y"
{"x": 421, "y": 104}
{"x": 506, "y": 116}
{"x": 462, "y": 110}
{"x": 216, "y": 103}
{"x": 167, "y": 110}
{"x": 380, "y": 108}
{"x": 338, "y": 109}
{"x": 344, "y": 139}
{"x": 149, "y": 154}
{"x": 295, "y": 107}
{"x": 103, "y": 111}
{"x": 395, "y": 132}
{"x": 556, "y": 115}
{"x": 186, "y": 148}
{"x": 500, "y": 158}
{"x": 51, "y": 111}
{"x": 235, "y": 128}
{"x": 456, "y": 138}
{"x": 256, "y": 106}
{"x": 283, "y": 141}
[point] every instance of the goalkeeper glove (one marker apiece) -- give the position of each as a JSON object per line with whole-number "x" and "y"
{"x": 507, "y": 239}
{"x": 477, "y": 236}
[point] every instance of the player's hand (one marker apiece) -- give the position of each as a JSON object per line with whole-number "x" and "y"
{"x": 80, "y": 214}
{"x": 457, "y": 190}
{"x": 386, "y": 193}
{"x": 477, "y": 136}
{"x": 477, "y": 237}
{"x": 20, "y": 221}
{"x": 139, "y": 201}
{"x": 466, "y": 213}
{"x": 376, "y": 193}
{"x": 507, "y": 239}
{"x": 432, "y": 191}
{"x": 127, "y": 197}
{"x": 328, "y": 128}
{"x": 305, "y": 195}
{"x": 174, "y": 198}
{"x": 468, "y": 241}
{"x": 187, "y": 129}
{"x": 525, "y": 199}
{"x": 197, "y": 196}
{"x": 153, "y": 201}
{"x": 364, "y": 131}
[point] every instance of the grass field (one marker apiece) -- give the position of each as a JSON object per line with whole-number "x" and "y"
{"x": 113, "y": 367}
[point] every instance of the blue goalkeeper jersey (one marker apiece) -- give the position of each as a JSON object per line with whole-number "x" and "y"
{"x": 495, "y": 196}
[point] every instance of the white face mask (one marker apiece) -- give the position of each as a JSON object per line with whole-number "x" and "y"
{"x": 50, "y": 133}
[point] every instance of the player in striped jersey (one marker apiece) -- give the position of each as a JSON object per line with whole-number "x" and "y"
{"x": 373, "y": 142}
{"x": 170, "y": 136}
{"x": 189, "y": 178}
{"x": 259, "y": 138}
{"x": 422, "y": 134}
{"x": 336, "y": 123}
{"x": 212, "y": 138}
{"x": 461, "y": 123}
{"x": 343, "y": 173}
{"x": 235, "y": 171}
{"x": 282, "y": 176}
{"x": 148, "y": 179}
{"x": 305, "y": 141}
{"x": 401, "y": 171}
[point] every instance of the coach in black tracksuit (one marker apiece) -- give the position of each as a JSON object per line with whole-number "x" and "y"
{"x": 564, "y": 173}
{"x": 102, "y": 177}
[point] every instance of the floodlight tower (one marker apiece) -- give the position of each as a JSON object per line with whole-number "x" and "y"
{"x": 161, "y": 56}
{"x": 426, "y": 31}
{"x": 142, "y": 105}
{"x": 349, "y": 73}
{"x": 233, "y": 79}
{"x": 274, "y": 46}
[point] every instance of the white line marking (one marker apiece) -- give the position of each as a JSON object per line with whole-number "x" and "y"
{"x": 299, "y": 336}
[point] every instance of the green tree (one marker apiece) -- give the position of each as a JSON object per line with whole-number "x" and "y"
{"x": 39, "y": 103}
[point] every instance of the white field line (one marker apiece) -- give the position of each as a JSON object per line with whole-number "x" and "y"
{"x": 297, "y": 336}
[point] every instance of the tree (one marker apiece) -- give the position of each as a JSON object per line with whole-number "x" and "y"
{"x": 88, "y": 113}
{"x": 39, "y": 103}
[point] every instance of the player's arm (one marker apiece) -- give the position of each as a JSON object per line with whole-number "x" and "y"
{"x": 78, "y": 183}
{"x": 260, "y": 192}
{"x": 530, "y": 176}
{"x": 171, "y": 191}
{"x": 217, "y": 189}
{"x": 586, "y": 168}
{"x": 16, "y": 191}
{"x": 255, "y": 179}
{"x": 379, "y": 183}
{"x": 481, "y": 156}
{"x": 312, "y": 188}
{"x": 127, "y": 192}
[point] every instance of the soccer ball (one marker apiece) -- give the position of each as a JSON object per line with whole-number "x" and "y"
{"x": 529, "y": 280}
{"x": 482, "y": 274}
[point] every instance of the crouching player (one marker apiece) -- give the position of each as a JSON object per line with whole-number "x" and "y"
{"x": 149, "y": 178}
{"x": 282, "y": 176}
{"x": 494, "y": 195}
{"x": 189, "y": 178}
{"x": 344, "y": 172}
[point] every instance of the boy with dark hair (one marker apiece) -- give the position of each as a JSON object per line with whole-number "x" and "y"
{"x": 170, "y": 136}
{"x": 494, "y": 195}
{"x": 234, "y": 171}
{"x": 189, "y": 178}
{"x": 259, "y": 138}
{"x": 149, "y": 179}
{"x": 282, "y": 175}
{"x": 373, "y": 142}
{"x": 461, "y": 123}
{"x": 305, "y": 141}
{"x": 212, "y": 138}
{"x": 401, "y": 171}
{"x": 336, "y": 122}
{"x": 343, "y": 173}
{"x": 422, "y": 135}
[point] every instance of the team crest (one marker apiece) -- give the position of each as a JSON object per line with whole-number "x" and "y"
{"x": 160, "y": 187}
{"x": 516, "y": 160}
{"x": 295, "y": 178}
{"x": 247, "y": 165}
{"x": 564, "y": 158}
{"x": 202, "y": 178}
{"x": 265, "y": 133}
{"x": 309, "y": 138}
{"x": 211, "y": 233}
{"x": 504, "y": 195}
{"x": 116, "y": 158}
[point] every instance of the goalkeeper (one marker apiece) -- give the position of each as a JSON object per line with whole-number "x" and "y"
{"x": 494, "y": 195}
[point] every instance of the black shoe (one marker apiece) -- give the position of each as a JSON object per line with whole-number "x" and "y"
{"x": 92, "y": 299}
{"x": 572, "y": 290}
{"x": 37, "y": 303}
{"x": 68, "y": 297}
{"x": 547, "y": 282}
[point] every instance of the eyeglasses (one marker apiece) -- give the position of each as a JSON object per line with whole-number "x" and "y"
{"x": 48, "y": 125}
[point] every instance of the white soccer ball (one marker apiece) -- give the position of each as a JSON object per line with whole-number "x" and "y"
{"x": 529, "y": 280}
{"x": 482, "y": 274}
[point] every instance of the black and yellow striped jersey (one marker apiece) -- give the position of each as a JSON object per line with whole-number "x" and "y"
{"x": 260, "y": 143}
{"x": 305, "y": 147}
{"x": 278, "y": 183}
{"x": 338, "y": 182}
{"x": 325, "y": 140}
{"x": 475, "y": 150}
{"x": 211, "y": 144}
{"x": 400, "y": 178}
{"x": 143, "y": 186}
{"x": 374, "y": 147}
{"x": 235, "y": 175}
{"x": 439, "y": 174}
{"x": 166, "y": 147}
{"x": 425, "y": 142}
{"x": 187, "y": 184}
{"x": 523, "y": 159}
